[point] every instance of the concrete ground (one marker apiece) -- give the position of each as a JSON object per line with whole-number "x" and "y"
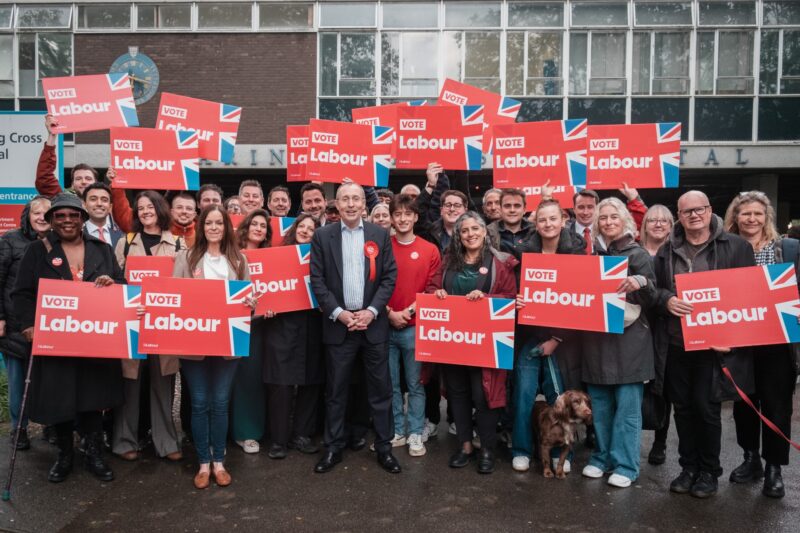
{"x": 267, "y": 495}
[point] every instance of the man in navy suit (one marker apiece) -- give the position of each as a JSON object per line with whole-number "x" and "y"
{"x": 353, "y": 274}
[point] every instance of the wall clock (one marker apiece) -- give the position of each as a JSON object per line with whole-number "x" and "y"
{"x": 142, "y": 71}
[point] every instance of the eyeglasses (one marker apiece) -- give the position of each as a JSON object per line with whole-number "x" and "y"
{"x": 68, "y": 215}
{"x": 658, "y": 221}
{"x": 453, "y": 206}
{"x": 699, "y": 211}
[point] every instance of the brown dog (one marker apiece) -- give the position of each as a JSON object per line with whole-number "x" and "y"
{"x": 556, "y": 426}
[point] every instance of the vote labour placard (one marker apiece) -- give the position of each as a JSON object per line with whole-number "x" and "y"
{"x": 296, "y": 152}
{"x": 281, "y": 278}
{"x": 641, "y": 155}
{"x": 740, "y": 307}
{"x": 186, "y": 316}
{"x": 216, "y": 124}
{"x": 573, "y": 291}
{"x": 338, "y": 150}
{"x": 88, "y": 103}
{"x": 80, "y": 320}
{"x": 138, "y": 267}
{"x": 449, "y": 135}
{"x": 459, "y": 332}
{"x": 280, "y": 227}
{"x": 496, "y": 109}
{"x": 146, "y": 158}
{"x": 528, "y": 154}
{"x": 382, "y": 115}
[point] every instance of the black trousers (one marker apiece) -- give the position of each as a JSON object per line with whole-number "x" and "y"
{"x": 285, "y": 422}
{"x": 465, "y": 390}
{"x": 689, "y": 385}
{"x": 88, "y": 423}
{"x": 661, "y": 434}
{"x": 341, "y": 359}
{"x": 775, "y": 383}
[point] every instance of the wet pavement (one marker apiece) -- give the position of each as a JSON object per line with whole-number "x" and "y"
{"x": 268, "y": 495}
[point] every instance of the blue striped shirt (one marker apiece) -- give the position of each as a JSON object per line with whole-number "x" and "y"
{"x": 352, "y": 270}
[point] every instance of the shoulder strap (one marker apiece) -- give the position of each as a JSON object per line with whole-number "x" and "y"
{"x": 128, "y": 238}
{"x": 790, "y": 248}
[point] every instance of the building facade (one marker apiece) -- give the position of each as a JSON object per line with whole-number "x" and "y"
{"x": 729, "y": 71}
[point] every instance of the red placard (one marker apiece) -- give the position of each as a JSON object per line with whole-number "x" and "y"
{"x": 338, "y": 150}
{"x": 138, "y": 267}
{"x": 236, "y": 220}
{"x": 216, "y": 124}
{"x": 740, "y": 307}
{"x": 448, "y": 135}
{"x": 573, "y": 291}
{"x": 296, "y": 152}
{"x": 459, "y": 332}
{"x": 382, "y": 115}
{"x": 281, "y": 278}
{"x": 528, "y": 154}
{"x": 87, "y": 103}
{"x": 280, "y": 227}
{"x": 75, "y": 319}
{"x": 9, "y": 217}
{"x": 195, "y": 317}
{"x": 146, "y": 158}
{"x": 641, "y": 155}
{"x": 496, "y": 109}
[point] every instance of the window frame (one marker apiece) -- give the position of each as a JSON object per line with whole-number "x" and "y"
{"x": 192, "y": 18}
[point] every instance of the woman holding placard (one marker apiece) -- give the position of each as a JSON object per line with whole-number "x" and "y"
{"x": 215, "y": 255}
{"x": 248, "y": 401}
{"x": 751, "y": 216}
{"x": 474, "y": 269}
{"x": 615, "y": 366}
{"x": 151, "y": 236}
{"x": 294, "y": 368}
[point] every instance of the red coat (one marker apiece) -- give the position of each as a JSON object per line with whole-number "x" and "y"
{"x": 504, "y": 284}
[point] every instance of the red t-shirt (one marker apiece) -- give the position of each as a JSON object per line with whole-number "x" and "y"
{"x": 417, "y": 262}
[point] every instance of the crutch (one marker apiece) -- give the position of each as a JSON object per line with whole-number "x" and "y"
{"x": 7, "y": 490}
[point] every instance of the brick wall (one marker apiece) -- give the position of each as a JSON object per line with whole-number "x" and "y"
{"x": 271, "y": 75}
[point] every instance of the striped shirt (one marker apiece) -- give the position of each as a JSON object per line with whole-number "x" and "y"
{"x": 353, "y": 266}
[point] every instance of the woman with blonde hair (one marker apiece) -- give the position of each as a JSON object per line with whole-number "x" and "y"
{"x": 380, "y": 216}
{"x": 751, "y": 216}
{"x": 656, "y": 227}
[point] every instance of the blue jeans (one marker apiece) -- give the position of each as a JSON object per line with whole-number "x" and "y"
{"x": 210, "y": 383}
{"x": 401, "y": 345}
{"x": 617, "y": 414}
{"x": 527, "y": 370}
{"x": 16, "y": 369}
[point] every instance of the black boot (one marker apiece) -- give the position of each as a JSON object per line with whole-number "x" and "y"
{"x": 749, "y": 470}
{"x": 485, "y": 461}
{"x": 94, "y": 458}
{"x": 63, "y": 465}
{"x": 773, "y": 482}
{"x": 658, "y": 453}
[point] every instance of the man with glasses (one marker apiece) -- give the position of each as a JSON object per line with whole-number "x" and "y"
{"x": 694, "y": 381}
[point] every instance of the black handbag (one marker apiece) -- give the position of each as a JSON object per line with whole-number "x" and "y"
{"x": 15, "y": 345}
{"x": 654, "y": 409}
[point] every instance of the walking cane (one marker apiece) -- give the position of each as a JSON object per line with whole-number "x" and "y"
{"x": 7, "y": 491}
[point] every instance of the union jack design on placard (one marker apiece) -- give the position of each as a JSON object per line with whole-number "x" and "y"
{"x": 671, "y": 162}
{"x": 240, "y": 336}
{"x": 118, "y": 81}
{"x": 788, "y": 313}
{"x": 503, "y": 350}
{"x": 311, "y": 298}
{"x": 613, "y": 267}
{"x": 501, "y": 308}
{"x": 614, "y": 311}
{"x": 780, "y": 276}
{"x": 280, "y": 227}
{"x": 304, "y": 253}
{"x": 574, "y": 128}
{"x": 382, "y": 163}
{"x": 133, "y": 298}
{"x": 473, "y": 145}
{"x": 509, "y": 108}
{"x": 188, "y": 139}
{"x": 471, "y": 115}
{"x": 237, "y": 290}
{"x": 227, "y": 139}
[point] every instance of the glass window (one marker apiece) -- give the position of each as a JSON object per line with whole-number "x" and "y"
{"x": 777, "y": 119}
{"x": 723, "y": 119}
{"x": 5, "y": 16}
{"x": 472, "y": 14}
{"x": 286, "y": 15}
{"x": 607, "y": 74}
{"x": 104, "y": 16}
{"x": 599, "y": 14}
{"x": 173, "y": 16}
{"x": 735, "y": 70}
{"x": 27, "y": 64}
{"x": 535, "y": 15}
{"x": 648, "y": 110}
{"x": 663, "y": 13}
{"x": 705, "y": 63}
{"x": 390, "y": 64}
{"x": 768, "y": 79}
{"x": 790, "y": 77}
{"x": 55, "y": 55}
{"x": 328, "y": 50}
{"x": 515, "y": 63}
{"x": 669, "y": 66}
{"x": 598, "y": 110}
{"x": 577, "y": 62}
{"x": 32, "y": 16}
{"x": 727, "y": 13}
{"x": 357, "y": 68}
{"x": 544, "y": 64}
{"x": 418, "y": 64}
{"x": 7, "y": 105}
{"x": 641, "y": 63}
{"x": 478, "y": 53}
{"x": 6, "y": 66}
{"x": 410, "y": 15}
{"x": 347, "y": 14}
{"x": 37, "y": 104}
{"x": 341, "y": 109}
{"x": 224, "y": 15}
{"x": 535, "y": 109}
{"x": 781, "y": 13}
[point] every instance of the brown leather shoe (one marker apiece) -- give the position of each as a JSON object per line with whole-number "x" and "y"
{"x": 132, "y": 455}
{"x": 174, "y": 456}
{"x": 222, "y": 477}
{"x": 202, "y": 480}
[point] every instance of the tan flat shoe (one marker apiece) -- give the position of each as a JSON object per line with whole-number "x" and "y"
{"x": 129, "y": 456}
{"x": 222, "y": 477}
{"x": 202, "y": 480}
{"x": 174, "y": 456}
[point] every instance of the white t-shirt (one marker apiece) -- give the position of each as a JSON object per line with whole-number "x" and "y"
{"x": 215, "y": 267}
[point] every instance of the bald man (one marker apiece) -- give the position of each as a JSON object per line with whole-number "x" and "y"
{"x": 694, "y": 381}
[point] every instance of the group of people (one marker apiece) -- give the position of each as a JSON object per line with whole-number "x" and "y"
{"x": 351, "y": 362}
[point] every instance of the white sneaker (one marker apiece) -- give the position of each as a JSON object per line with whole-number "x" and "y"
{"x": 415, "y": 446}
{"x": 249, "y": 445}
{"x": 521, "y": 463}
{"x": 398, "y": 440}
{"x": 617, "y": 480}
{"x": 592, "y": 472}
{"x": 429, "y": 431}
{"x": 452, "y": 429}
{"x": 567, "y": 465}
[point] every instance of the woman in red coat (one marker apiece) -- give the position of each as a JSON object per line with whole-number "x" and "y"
{"x": 474, "y": 269}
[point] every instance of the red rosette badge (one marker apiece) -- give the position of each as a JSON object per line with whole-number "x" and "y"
{"x": 371, "y": 251}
